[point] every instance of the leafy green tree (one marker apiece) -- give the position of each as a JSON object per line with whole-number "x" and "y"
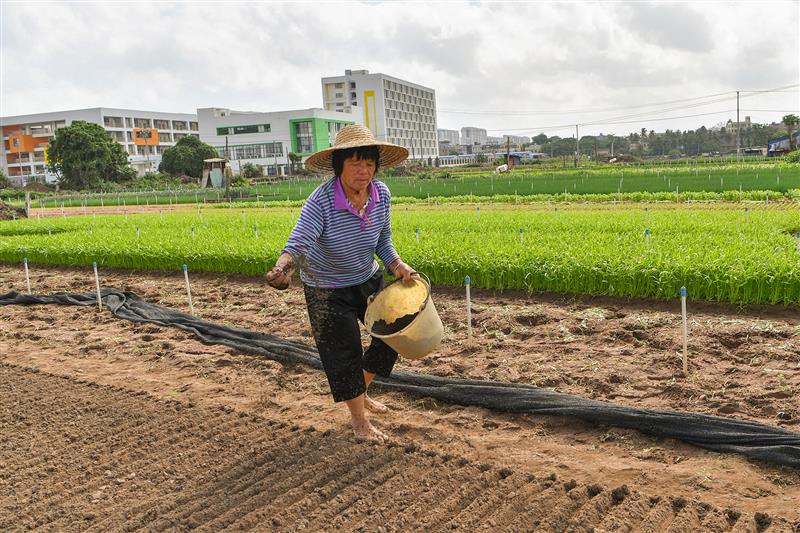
{"x": 251, "y": 170}
{"x": 84, "y": 156}
{"x": 540, "y": 139}
{"x": 791, "y": 121}
{"x": 5, "y": 183}
{"x": 186, "y": 157}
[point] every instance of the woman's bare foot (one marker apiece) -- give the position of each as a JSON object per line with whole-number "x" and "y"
{"x": 374, "y": 406}
{"x": 363, "y": 428}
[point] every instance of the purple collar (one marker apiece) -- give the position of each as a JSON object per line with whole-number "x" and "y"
{"x": 340, "y": 200}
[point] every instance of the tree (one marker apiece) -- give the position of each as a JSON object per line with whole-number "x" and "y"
{"x": 791, "y": 121}
{"x": 251, "y": 171}
{"x": 186, "y": 157}
{"x": 5, "y": 183}
{"x": 84, "y": 156}
{"x": 540, "y": 139}
{"x": 293, "y": 160}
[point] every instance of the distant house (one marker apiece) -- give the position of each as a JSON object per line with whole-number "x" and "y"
{"x": 780, "y": 145}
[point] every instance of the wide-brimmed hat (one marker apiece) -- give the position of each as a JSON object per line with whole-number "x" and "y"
{"x": 354, "y": 136}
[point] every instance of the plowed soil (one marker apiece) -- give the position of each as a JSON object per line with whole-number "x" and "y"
{"x": 108, "y": 425}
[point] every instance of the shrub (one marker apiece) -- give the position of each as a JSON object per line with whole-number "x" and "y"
{"x": 793, "y": 157}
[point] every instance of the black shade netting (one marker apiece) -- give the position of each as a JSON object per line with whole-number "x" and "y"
{"x": 722, "y": 434}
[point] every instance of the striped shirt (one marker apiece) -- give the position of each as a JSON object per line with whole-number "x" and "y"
{"x": 334, "y": 244}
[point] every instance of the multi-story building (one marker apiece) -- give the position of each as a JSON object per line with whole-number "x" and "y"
{"x": 450, "y": 136}
{"x": 143, "y": 134}
{"x": 396, "y": 110}
{"x": 516, "y": 140}
{"x": 267, "y": 138}
{"x": 473, "y": 136}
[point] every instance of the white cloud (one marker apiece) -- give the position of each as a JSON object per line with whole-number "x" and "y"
{"x": 504, "y": 57}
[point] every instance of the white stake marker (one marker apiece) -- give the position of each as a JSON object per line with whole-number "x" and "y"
{"x": 469, "y": 310}
{"x": 520, "y": 236}
{"x": 417, "y": 231}
{"x": 188, "y": 288}
{"x": 97, "y": 285}
{"x": 685, "y": 330}
{"x": 27, "y": 277}
{"x": 647, "y": 236}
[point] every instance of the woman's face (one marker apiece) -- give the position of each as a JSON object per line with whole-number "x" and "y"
{"x": 357, "y": 173}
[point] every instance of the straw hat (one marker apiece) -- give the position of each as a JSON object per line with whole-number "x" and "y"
{"x": 353, "y": 136}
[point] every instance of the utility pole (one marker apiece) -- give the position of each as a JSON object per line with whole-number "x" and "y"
{"x": 577, "y": 145}
{"x": 737, "y": 126}
{"x": 508, "y": 151}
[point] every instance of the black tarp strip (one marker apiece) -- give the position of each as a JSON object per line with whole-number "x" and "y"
{"x": 722, "y": 434}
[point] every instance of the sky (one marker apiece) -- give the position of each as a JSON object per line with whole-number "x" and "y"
{"x": 519, "y": 68}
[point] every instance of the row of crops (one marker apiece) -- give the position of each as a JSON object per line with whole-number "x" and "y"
{"x": 734, "y": 182}
{"x": 736, "y": 255}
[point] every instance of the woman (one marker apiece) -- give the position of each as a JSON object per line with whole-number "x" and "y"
{"x": 344, "y": 223}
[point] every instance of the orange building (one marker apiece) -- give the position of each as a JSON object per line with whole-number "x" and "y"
{"x": 143, "y": 134}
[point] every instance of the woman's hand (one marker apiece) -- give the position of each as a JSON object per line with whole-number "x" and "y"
{"x": 280, "y": 277}
{"x": 402, "y": 270}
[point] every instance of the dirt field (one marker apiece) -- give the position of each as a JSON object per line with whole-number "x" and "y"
{"x": 110, "y": 425}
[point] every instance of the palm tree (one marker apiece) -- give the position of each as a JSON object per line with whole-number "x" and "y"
{"x": 791, "y": 122}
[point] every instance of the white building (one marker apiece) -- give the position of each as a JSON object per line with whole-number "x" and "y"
{"x": 451, "y": 136}
{"x": 473, "y": 136}
{"x": 516, "y": 140}
{"x": 143, "y": 134}
{"x": 396, "y": 111}
{"x": 267, "y": 138}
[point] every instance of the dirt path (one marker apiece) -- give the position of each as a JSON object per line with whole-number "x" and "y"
{"x": 143, "y": 378}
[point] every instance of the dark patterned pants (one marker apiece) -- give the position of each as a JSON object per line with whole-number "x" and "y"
{"x": 334, "y": 315}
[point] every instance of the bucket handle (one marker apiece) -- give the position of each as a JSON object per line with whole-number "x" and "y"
{"x": 421, "y": 274}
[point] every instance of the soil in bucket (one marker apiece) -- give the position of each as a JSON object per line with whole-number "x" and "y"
{"x": 382, "y": 328}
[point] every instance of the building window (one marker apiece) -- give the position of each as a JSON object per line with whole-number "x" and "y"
{"x": 339, "y": 86}
{"x": 352, "y": 85}
{"x": 305, "y": 140}
{"x": 239, "y": 130}
{"x": 339, "y": 95}
{"x": 333, "y": 129}
{"x": 193, "y": 126}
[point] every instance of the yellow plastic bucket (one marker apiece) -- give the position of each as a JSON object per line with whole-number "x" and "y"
{"x": 392, "y": 308}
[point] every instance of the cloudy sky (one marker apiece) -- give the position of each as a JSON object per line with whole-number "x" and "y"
{"x": 517, "y": 67}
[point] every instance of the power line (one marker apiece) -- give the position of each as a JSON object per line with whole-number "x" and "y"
{"x": 570, "y": 126}
{"x": 730, "y": 95}
{"x": 644, "y": 116}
